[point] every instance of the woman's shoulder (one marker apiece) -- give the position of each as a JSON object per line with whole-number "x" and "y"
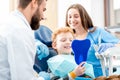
{"x": 100, "y": 29}
{"x": 103, "y": 30}
{"x": 95, "y": 29}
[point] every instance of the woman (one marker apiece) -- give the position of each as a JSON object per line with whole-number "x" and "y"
{"x": 78, "y": 19}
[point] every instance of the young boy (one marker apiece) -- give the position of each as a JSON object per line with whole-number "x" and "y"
{"x": 61, "y": 42}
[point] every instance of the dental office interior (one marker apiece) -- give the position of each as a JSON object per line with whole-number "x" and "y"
{"x": 104, "y": 13}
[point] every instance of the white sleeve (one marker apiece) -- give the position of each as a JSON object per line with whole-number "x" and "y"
{"x": 18, "y": 53}
{"x": 40, "y": 78}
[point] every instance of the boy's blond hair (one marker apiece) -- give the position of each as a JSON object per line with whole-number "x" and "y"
{"x": 61, "y": 30}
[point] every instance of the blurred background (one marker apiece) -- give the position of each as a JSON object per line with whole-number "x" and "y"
{"x": 104, "y": 13}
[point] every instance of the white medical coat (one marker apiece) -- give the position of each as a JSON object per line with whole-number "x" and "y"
{"x": 17, "y": 48}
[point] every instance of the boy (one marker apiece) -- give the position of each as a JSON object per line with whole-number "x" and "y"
{"x": 61, "y": 42}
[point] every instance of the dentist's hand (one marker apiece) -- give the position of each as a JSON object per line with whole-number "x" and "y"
{"x": 45, "y": 75}
{"x": 42, "y": 50}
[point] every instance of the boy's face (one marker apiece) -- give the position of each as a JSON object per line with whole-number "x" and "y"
{"x": 63, "y": 43}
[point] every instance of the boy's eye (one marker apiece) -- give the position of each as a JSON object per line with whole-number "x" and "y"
{"x": 71, "y": 40}
{"x": 63, "y": 40}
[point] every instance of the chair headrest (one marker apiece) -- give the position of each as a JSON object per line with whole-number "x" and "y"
{"x": 44, "y": 35}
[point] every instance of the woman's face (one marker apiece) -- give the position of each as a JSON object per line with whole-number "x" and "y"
{"x": 73, "y": 18}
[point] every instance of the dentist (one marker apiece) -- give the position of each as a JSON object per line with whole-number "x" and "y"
{"x": 17, "y": 43}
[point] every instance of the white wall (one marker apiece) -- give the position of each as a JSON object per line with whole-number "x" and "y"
{"x": 116, "y": 4}
{"x": 95, "y": 8}
{"x": 4, "y": 9}
{"x": 97, "y": 12}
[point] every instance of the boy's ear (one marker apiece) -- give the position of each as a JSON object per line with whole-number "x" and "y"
{"x": 54, "y": 45}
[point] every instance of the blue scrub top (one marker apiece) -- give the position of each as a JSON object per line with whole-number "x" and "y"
{"x": 100, "y": 35}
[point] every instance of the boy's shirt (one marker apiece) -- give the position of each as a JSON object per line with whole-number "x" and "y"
{"x": 61, "y": 65}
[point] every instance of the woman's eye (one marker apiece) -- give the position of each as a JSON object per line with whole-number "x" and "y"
{"x": 76, "y": 16}
{"x": 69, "y": 16}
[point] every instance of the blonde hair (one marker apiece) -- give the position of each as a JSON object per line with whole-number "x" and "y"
{"x": 61, "y": 30}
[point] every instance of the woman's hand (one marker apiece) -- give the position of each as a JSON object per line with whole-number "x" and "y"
{"x": 104, "y": 46}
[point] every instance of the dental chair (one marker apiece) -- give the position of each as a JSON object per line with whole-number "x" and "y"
{"x": 110, "y": 58}
{"x": 107, "y": 60}
{"x": 43, "y": 34}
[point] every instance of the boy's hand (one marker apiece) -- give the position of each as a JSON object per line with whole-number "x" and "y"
{"x": 80, "y": 69}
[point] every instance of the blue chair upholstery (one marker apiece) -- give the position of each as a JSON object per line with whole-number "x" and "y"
{"x": 44, "y": 35}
